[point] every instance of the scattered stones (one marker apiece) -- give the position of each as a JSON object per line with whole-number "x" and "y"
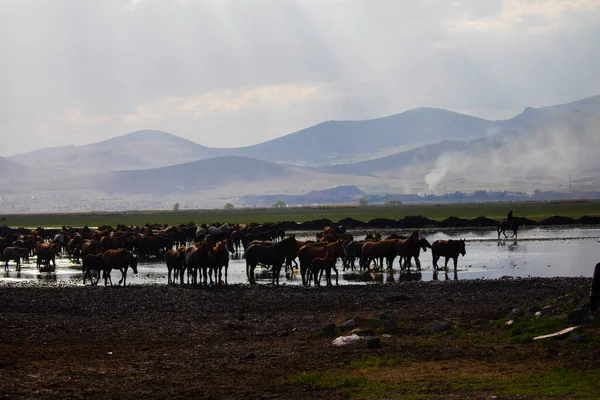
{"x": 547, "y": 310}
{"x": 517, "y": 311}
{"x": 327, "y": 330}
{"x": 534, "y": 309}
{"x": 347, "y": 325}
{"x": 373, "y": 342}
{"x": 437, "y": 327}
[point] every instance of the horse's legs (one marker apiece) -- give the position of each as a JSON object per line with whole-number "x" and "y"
{"x": 251, "y": 275}
{"x": 337, "y": 275}
{"x": 455, "y": 262}
{"x": 205, "y": 275}
{"x": 418, "y": 263}
{"x": 407, "y": 262}
{"x": 305, "y": 273}
{"x": 124, "y": 277}
{"x": 446, "y": 263}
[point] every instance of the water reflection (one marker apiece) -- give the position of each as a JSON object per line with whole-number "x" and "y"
{"x": 446, "y": 277}
{"x": 47, "y": 276}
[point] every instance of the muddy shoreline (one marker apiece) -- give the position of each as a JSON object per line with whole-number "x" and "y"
{"x": 158, "y": 341}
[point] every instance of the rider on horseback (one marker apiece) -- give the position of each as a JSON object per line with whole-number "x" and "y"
{"x": 509, "y": 217}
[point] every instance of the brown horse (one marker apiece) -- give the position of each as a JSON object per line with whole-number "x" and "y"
{"x": 121, "y": 260}
{"x": 236, "y": 237}
{"x": 196, "y": 260}
{"x": 411, "y": 248}
{"x": 93, "y": 262}
{"x": 450, "y": 249}
{"x": 352, "y": 251}
{"x": 386, "y": 248}
{"x": 175, "y": 260}
{"x": 325, "y": 264}
{"x": 14, "y": 254}
{"x": 45, "y": 253}
{"x": 219, "y": 258}
{"x": 90, "y": 247}
{"x": 274, "y": 255}
{"x": 309, "y": 252}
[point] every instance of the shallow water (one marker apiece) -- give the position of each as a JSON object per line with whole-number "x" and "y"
{"x": 539, "y": 252}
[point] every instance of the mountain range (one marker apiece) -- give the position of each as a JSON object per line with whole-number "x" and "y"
{"x": 416, "y": 151}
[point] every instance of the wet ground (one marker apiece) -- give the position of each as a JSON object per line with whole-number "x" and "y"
{"x": 538, "y": 252}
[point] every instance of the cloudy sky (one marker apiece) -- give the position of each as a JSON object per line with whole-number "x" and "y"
{"x": 229, "y": 73}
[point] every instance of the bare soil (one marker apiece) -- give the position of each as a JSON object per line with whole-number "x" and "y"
{"x": 251, "y": 342}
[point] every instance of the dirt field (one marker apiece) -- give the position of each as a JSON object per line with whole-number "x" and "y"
{"x": 255, "y": 342}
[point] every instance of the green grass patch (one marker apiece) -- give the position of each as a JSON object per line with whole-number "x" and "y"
{"x": 525, "y": 330}
{"x": 558, "y": 383}
{"x": 533, "y": 210}
{"x": 352, "y": 386}
{"x": 552, "y": 383}
{"x": 370, "y": 363}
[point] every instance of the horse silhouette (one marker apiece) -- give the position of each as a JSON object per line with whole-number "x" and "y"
{"x": 510, "y": 225}
{"x": 449, "y": 249}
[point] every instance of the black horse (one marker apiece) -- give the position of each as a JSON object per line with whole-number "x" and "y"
{"x": 506, "y": 225}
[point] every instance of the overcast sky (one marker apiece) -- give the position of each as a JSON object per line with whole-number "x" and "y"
{"x": 231, "y": 73}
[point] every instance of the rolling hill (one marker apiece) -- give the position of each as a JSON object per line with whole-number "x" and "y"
{"x": 328, "y": 143}
{"x": 230, "y": 173}
{"x": 137, "y": 150}
{"x": 386, "y": 165}
{"x": 426, "y": 151}
{"x": 531, "y": 116}
{"x": 10, "y": 167}
{"x": 339, "y": 141}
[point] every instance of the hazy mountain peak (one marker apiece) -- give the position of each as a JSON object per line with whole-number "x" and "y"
{"x": 148, "y": 134}
{"x": 530, "y": 115}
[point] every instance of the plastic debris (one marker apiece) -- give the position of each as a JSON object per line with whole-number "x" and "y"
{"x": 557, "y": 334}
{"x": 345, "y": 340}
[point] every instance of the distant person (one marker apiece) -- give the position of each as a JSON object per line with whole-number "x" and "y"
{"x": 595, "y": 292}
{"x": 509, "y": 217}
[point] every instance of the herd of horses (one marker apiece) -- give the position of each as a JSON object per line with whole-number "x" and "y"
{"x": 200, "y": 254}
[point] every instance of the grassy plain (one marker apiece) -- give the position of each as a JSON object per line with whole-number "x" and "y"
{"x": 536, "y": 211}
